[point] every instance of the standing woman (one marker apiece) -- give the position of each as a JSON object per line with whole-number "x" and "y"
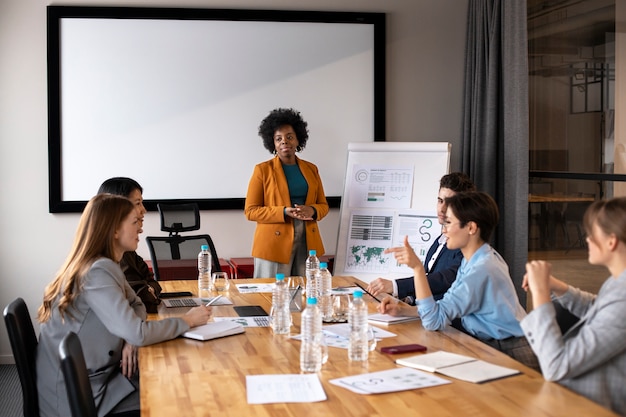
{"x": 482, "y": 296}
{"x": 91, "y": 297}
{"x": 286, "y": 199}
{"x": 589, "y": 358}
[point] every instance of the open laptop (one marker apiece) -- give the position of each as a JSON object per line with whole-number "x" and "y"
{"x": 193, "y": 302}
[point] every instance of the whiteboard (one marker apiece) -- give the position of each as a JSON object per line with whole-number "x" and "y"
{"x": 173, "y": 98}
{"x": 386, "y": 179}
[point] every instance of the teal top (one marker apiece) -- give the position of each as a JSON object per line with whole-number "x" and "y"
{"x": 298, "y": 187}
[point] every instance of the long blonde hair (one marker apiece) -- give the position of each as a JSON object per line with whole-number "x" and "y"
{"x": 95, "y": 238}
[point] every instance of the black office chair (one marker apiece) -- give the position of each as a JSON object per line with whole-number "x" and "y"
{"x": 178, "y": 247}
{"x": 24, "y": 345}
{"x": 177, "y": 218}
{"x": 572, "y": 216}
{"x": 77, "y": 383}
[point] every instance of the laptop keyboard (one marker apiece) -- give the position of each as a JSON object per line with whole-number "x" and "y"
{"x": 182, "y": 302}
{"x": 262, "y": 321}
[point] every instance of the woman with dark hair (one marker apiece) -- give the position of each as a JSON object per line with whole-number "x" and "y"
{"x": 285, "y": 198}
{"x": 139, "y": 276}
{"x": 91, "y": 297}
{"x": 590, "y": 357}
{"x": 482, "y": 296}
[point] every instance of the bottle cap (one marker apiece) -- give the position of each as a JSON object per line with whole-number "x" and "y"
{"x": 204, "y": 247}
{"x": 312, "y": 252}
{"x": 311, "y": 301}
{"x": 358, "y": 294}
{"x": 323, "y": 265}
{"x": 280, "y": 277}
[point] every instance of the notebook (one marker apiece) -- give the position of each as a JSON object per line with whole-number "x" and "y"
{"x": 386, "y": 319}
{"x": 214, "y": 330}
{"x": 457, "y": 366}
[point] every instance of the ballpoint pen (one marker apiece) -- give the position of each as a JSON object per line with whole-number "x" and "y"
{"x": 366, "y": 291}
{"x": 213, "y": 301}
{"x": 295, "y": 292}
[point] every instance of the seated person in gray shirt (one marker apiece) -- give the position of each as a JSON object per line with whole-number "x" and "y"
{"x": 441, "y": 263}
{"x": 590, "y": 357}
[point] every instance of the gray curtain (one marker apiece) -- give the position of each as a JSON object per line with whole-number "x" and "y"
{"x": 495, "y": 126}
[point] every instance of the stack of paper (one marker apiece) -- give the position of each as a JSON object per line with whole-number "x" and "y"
{"x": 457, "y": 366}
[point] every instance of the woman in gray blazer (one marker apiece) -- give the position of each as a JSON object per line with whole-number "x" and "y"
{"x": 91, "y": 297}
{"x": 590, "y": 358}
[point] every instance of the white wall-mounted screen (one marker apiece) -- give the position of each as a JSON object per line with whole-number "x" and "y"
{"x": 173, "y": 97}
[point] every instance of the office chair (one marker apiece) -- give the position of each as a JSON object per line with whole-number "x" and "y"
{"x": 24, "y": 345}
{"x": 180, "y": 248}
{"x": 572, "y": 215}
{"x": 79, "y": 393}
{"x": 177, "y": 218}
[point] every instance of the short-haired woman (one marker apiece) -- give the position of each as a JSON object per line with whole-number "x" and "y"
{"x": 482, "y": 296}
{"x": 285, "y": 198}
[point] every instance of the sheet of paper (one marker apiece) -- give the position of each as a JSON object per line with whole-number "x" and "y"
{"x": 343, "y": 329}
{"x": 370, "y": 234}
{"x": 392, "y": 380}
{"x": 255, "y": 288}
{"x": 381, "y": 186}
{"x": 331, "y": 340}
{"x": 343, "y": 290}
{"x": 287, "y": 388}
{"x": 421, "y": 227}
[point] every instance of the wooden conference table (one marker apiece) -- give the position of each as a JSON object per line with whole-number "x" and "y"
{"x": 184, "y": 377}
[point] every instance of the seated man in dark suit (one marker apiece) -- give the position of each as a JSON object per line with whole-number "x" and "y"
{"x": 441, "y": 263}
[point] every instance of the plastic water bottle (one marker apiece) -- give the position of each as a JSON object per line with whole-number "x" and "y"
{"x": 324, "y": 283}
{"x": 204, "y": 272}
{"x": 280, "y": 315}
{"x": 358, "y": 348}
{"x": 311, "y": 343}
{"x": 312, "y": 265}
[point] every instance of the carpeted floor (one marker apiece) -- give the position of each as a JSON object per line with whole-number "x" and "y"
{"x": 10, "y": 392}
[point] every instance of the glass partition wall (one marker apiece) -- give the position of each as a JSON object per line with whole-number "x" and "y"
{"x": 575, "y": 155}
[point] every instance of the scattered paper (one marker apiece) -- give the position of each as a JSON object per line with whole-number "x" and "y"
{"x": 255, "y": 288}
{"x": 288, "y": 388}
{"x": 392, "y": 380}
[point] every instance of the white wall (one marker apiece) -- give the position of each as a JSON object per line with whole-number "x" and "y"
{"x": 425, "y": 51}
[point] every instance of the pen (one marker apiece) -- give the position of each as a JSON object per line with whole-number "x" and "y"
{"x": 213, "y": 300}
{"x": 366, "y": 291}
{"x": 294, "y": 294}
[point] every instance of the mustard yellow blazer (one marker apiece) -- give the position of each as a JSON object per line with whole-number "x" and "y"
{"x": 268, "y": 195}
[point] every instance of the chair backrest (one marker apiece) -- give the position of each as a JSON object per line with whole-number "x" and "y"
{"x": 176, "y": 218}
{"x": 180, "y": 248}
{"x": 24, "y": 345}
{"x": 79, "y": 393}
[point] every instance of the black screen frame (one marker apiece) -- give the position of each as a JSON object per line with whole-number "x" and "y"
{"x": 56, "y": 13}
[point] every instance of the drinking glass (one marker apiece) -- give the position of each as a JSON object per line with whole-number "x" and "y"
{"x": 371, "y": 338}
{"x": 220, "y": 281}
{"x": 341, "y": 307}
{"x": 296, "y": 303}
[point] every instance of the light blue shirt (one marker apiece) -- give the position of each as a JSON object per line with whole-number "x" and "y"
{"x": 483, "y": 296}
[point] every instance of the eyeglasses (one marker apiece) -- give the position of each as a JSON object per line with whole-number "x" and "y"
{"x": 446, "y": 225}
